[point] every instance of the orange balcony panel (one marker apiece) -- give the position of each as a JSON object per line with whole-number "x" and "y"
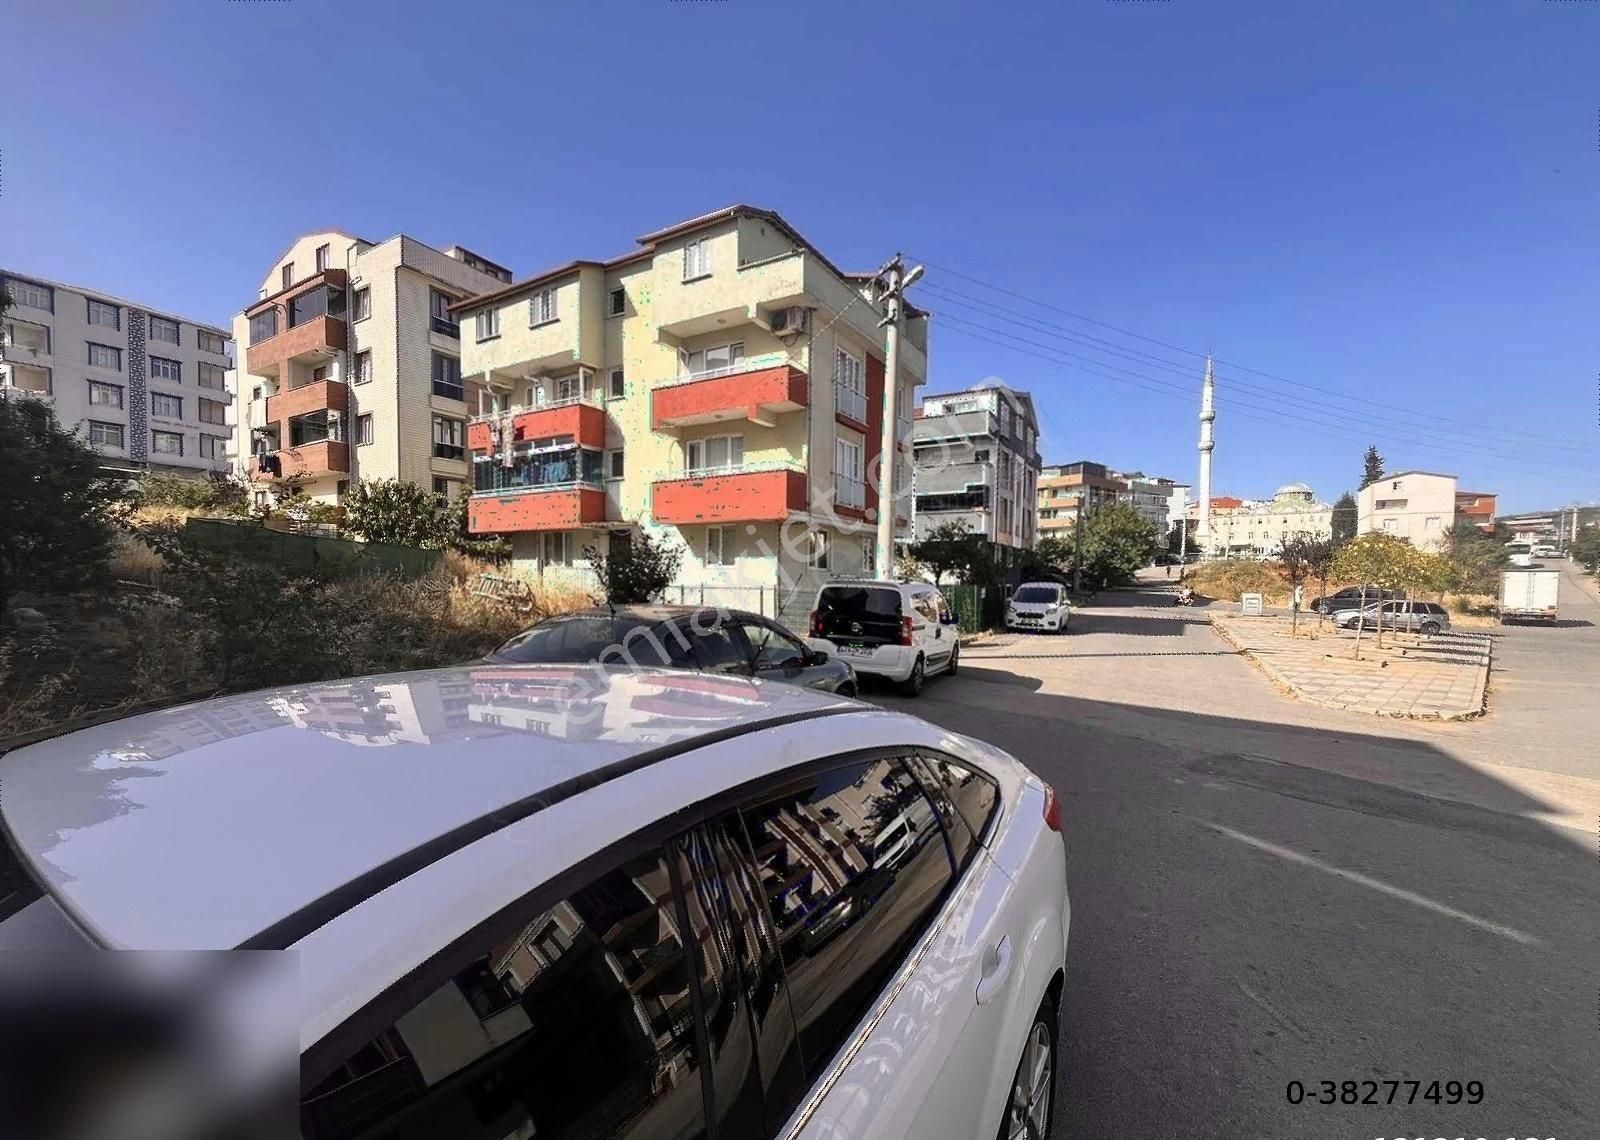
{"x": 323, "y": 395}
{"x": 585, "y": 422}
{"x": 492, "y": 513}
{"x": 754, "y": 396}
{"x": 331, "y": 456}
{"x": 738, "y": 496}
{"x": 312, "y": 338}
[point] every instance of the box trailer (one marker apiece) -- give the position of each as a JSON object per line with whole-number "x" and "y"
{"x": 1529, "y": 595}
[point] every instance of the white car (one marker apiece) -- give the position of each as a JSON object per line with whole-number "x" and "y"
{"x": 1039, "y": 605}
{"x": 902, "y": 631}
{"x": 538, "y": 900}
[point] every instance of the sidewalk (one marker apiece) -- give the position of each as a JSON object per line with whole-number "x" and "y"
{"x": 1435, "y": 678}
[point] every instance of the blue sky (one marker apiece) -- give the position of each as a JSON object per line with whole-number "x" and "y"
{"x": 1394, "y": 205}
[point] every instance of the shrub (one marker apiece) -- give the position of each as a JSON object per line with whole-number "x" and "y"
{"x": 636, "y": 571}
{"x": 397, "y": 512}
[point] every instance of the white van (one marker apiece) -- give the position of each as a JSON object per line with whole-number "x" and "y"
{"x": 904, "y": 631}
{"x": 1039, "y": 605}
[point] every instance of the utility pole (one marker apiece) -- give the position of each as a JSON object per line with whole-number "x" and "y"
{"x": 1077, "y": 541}
{"x": 890, "y": 285}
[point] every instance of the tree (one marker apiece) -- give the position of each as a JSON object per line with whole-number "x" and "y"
{"x": 1049, "y": 555}
{"x": 1297, "y": 565}
{"x": 635, "y": 571}
{"x": 1374, "y": 559}
{"x": 952, "y": 548}
{"x": 1319, "y": 554}
{"x": 398, "y": 512}
{"x": 1117, "y": 542}
{"x": 1371, "y": 467}
{"x": 1585, "y": 549}
{"x": 1177, "y": 541}
{"x": 1345, "y": 517}
{"x": 460, "y": 538}
{"x": 58, "y": 509}
{"x": 1476, "y": 559}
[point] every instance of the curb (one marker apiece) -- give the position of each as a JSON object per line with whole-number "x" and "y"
{"x": 1480, "y": 689}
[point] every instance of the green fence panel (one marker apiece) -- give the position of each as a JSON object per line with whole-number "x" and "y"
{"x": 968, "y": 603}
{"x": 311, "y": 554}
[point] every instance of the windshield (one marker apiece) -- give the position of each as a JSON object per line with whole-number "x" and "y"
{"x": 1037, "y": 594}
{"x": 586, "y": 638}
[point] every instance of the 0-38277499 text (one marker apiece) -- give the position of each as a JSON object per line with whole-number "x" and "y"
{"x": 1384, "y": 1092}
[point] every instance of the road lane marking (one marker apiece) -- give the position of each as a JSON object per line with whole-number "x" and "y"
{"x": 1375, "y": 884}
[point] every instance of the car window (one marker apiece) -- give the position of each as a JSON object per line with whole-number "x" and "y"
{"x": 565, "y": 639}
{"x": 750, "y": 1030}
{"x": 1036, "y": 594}
{"x": 716, "y": 647}
{"x": 859, "y": 601}
{"x": 579, "y": 1023}
{"x": 946, "y": 614}
{"x": 853, "y": 865}
{"x": 923, "y": 604}
{"x": 771, "y": 647}
{"x": 959, "y": 787}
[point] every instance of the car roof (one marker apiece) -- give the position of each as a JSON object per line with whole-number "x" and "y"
{"x": 251, "y": 819}
{"x": 646, "y": 613}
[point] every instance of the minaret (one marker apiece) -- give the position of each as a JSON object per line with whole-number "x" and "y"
{"x": 1208, "y": 414}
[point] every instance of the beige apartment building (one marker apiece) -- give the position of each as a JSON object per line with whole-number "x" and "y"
{"x": 1258, "y": 528}
{"x": 1419, "y": 506}
{"x": 721, "y": 386}
{"x": 146, "y": 388}
{"x": 350, "y": 366}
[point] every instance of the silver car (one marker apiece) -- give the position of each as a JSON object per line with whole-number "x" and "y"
{"x": 1407, "y": 616}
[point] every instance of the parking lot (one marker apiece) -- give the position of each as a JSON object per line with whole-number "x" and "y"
{"x": 1266, "y": 892}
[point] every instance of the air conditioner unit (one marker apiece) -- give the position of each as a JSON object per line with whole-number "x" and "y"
{"x": 790, "y": 321}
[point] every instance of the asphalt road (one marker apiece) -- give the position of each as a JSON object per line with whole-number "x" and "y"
{"x": 1264, "y": 892}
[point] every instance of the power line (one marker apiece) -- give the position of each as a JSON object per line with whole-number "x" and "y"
{"x": 1427, "y": 429}
{"x": 1035, "y": 302}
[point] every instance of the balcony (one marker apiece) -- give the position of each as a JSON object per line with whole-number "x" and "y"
{"x": 316, "y": 339}
{"x": 318, "y": 396}
{"x": 761, "y": 390}
{"x": 25, "y": 380}
{"x": 851, "y": 406}
{"x": 308, "y": 460}
{"x": 583, "y": 418}
{"x": 753, "y": 493}
{"x": 25, "y": 341}
{"x": 849, "y": 492}
{"x": 547, "y": 506}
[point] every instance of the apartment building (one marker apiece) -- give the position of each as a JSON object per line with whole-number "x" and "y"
{"x": 1418, "y": 506}
{"x": 1478, "y": 508}
{"x": 720, "y": 386}
{"x": 351, "y": 366}
{"x": 975, "y": 455}
{"x": 1068, "y": 489}
{"x": 147, "y": 388}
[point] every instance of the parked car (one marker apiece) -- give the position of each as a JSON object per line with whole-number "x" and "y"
{"x": 1411, "y": 617}
{"x": 1352, "y": 598}
{"x": 1039, "y": 605}
{"x": 1544, "y": 550}
{"x": 903, "y": 631}
{"x": 680, "y": 637}
{"x": 709, "y": 914}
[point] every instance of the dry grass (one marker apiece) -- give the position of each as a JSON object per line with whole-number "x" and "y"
{"x": 132, "y": 560}
{"x": 1228, "y": 580}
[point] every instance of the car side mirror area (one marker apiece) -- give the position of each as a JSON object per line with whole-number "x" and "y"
{"x": 949, "y": 619}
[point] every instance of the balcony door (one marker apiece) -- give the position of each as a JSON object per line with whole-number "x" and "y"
{"x": 719, "y": 453}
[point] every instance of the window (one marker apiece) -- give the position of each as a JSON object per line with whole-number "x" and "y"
{"x": 363, "y": 367}
{"x": 618, "y": 386}
{"x": 869, "y": 557}
{"x": 361, "y": 304}
{"x": 855, "y": 858}
{"x": 1395, "y": 486}
{"x": 849, "y": 377}
{"x": 557, "y": 548}
{"x": 718, "y": 453}
{"x": 102, "y": 314}
{"x": 817, "y": 549}
{"x": 722, "y": 545}
{"x": 449, "y": 438}
{"x": 569, "y": 388}
{"x": 1432, "y": 522}
{"x": 263, "y": 326}
{"x": 614, "y": 464}
{"x": 166, "y": 442}
{"x": 105, "y": 435}
{"x": 163, "y": 369}
{"x": 981, "y": 455}
{"x": 574, "y": 1019}
{"x": 542, "y": 307}
{"x": 849, "y": 490}
{"x": 966, "y": 801}
{"x": 488, "y": 323}
{"x": 167, "y": 407}
{"x": 213, "y": 446}
{"x": 447, "y": 377}
{"x": 716, "y": 361}
{"x": 288, "y": 276}
{"x": 439, "y": 318}
{"x": 715, "y": 646}
{"x": 33, "y": 296}
{"x": 364, "y": 430}
{"x": 211, "y": 376}
{"x": 444, "y": 489}
{"x": 211, "y": 342}
{"x": 213, "y": 412}
{"x": 770, "y": 647}
{"x": 617, "y": 302}
{"x": 310, "y": 305}
{"x": 104, "y": 356}
{"x": 696, "y": 259}
{"x": 164, "y": 330}
{"x": 322, "y": 257}
{"x": 105, "y": 395}
{"x": 1005, "y": 418}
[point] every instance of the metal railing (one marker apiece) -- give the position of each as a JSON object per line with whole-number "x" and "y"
{"x": 589, "y": 398}
{"x": 849, "y": 492}
{"x": 579, "y": 484}
{"x": 734, "y": 469}
{"x": 744, "y": 364}
{"x": 852, "y": 404}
